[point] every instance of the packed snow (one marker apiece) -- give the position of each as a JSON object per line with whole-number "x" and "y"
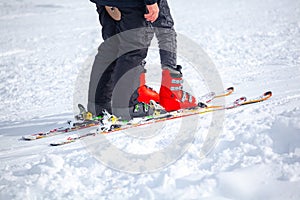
{"x": 46, "y": 51}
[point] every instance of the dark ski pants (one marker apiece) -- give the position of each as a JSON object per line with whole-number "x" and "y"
{"x": 117, "y": 66}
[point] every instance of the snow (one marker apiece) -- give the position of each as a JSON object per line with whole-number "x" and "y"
{"x": 44, "y": 47}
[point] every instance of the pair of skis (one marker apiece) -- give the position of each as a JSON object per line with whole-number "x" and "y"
{"x": 84, "y": 119}
{"x": 109, "y": 126}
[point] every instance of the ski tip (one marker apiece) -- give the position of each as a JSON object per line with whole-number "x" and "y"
{"x": 230, "y": 89}
{"x": 269, "y": 93}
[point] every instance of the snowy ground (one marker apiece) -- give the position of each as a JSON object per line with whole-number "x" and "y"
{"x": 255, "y": 46}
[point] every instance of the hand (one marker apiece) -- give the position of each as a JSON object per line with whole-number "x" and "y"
{"x": 153, "y": 12}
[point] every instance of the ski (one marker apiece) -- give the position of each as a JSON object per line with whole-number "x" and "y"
{"x": 261, "y": 98}
{"x": 72, "y": 138}
{"x": 110, "y": 127}
{"x": 209, "y": 97}
{"x": 70, "y": 127}
{"x": 85, "y": 120}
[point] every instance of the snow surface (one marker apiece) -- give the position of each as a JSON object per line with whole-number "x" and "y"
{"x": 44, "y": 45}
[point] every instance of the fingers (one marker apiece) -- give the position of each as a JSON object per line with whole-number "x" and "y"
{"x": 153, "y": 12}
{"x": 151, "y": 17}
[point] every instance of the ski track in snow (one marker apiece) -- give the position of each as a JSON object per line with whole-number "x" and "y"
{"x": 254, "y": 45}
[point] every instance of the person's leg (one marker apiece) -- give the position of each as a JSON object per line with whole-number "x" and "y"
{"x": 101, "y": 84}
{"x": 166, "y": 35}
{"x": 171, "y": 94}
{"x": 135, "y": 38}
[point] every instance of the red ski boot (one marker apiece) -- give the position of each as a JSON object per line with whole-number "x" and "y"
{"x": 140, "y": 99}
{"x": 172, "y": 96}
{"x": 145, "y": 93}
